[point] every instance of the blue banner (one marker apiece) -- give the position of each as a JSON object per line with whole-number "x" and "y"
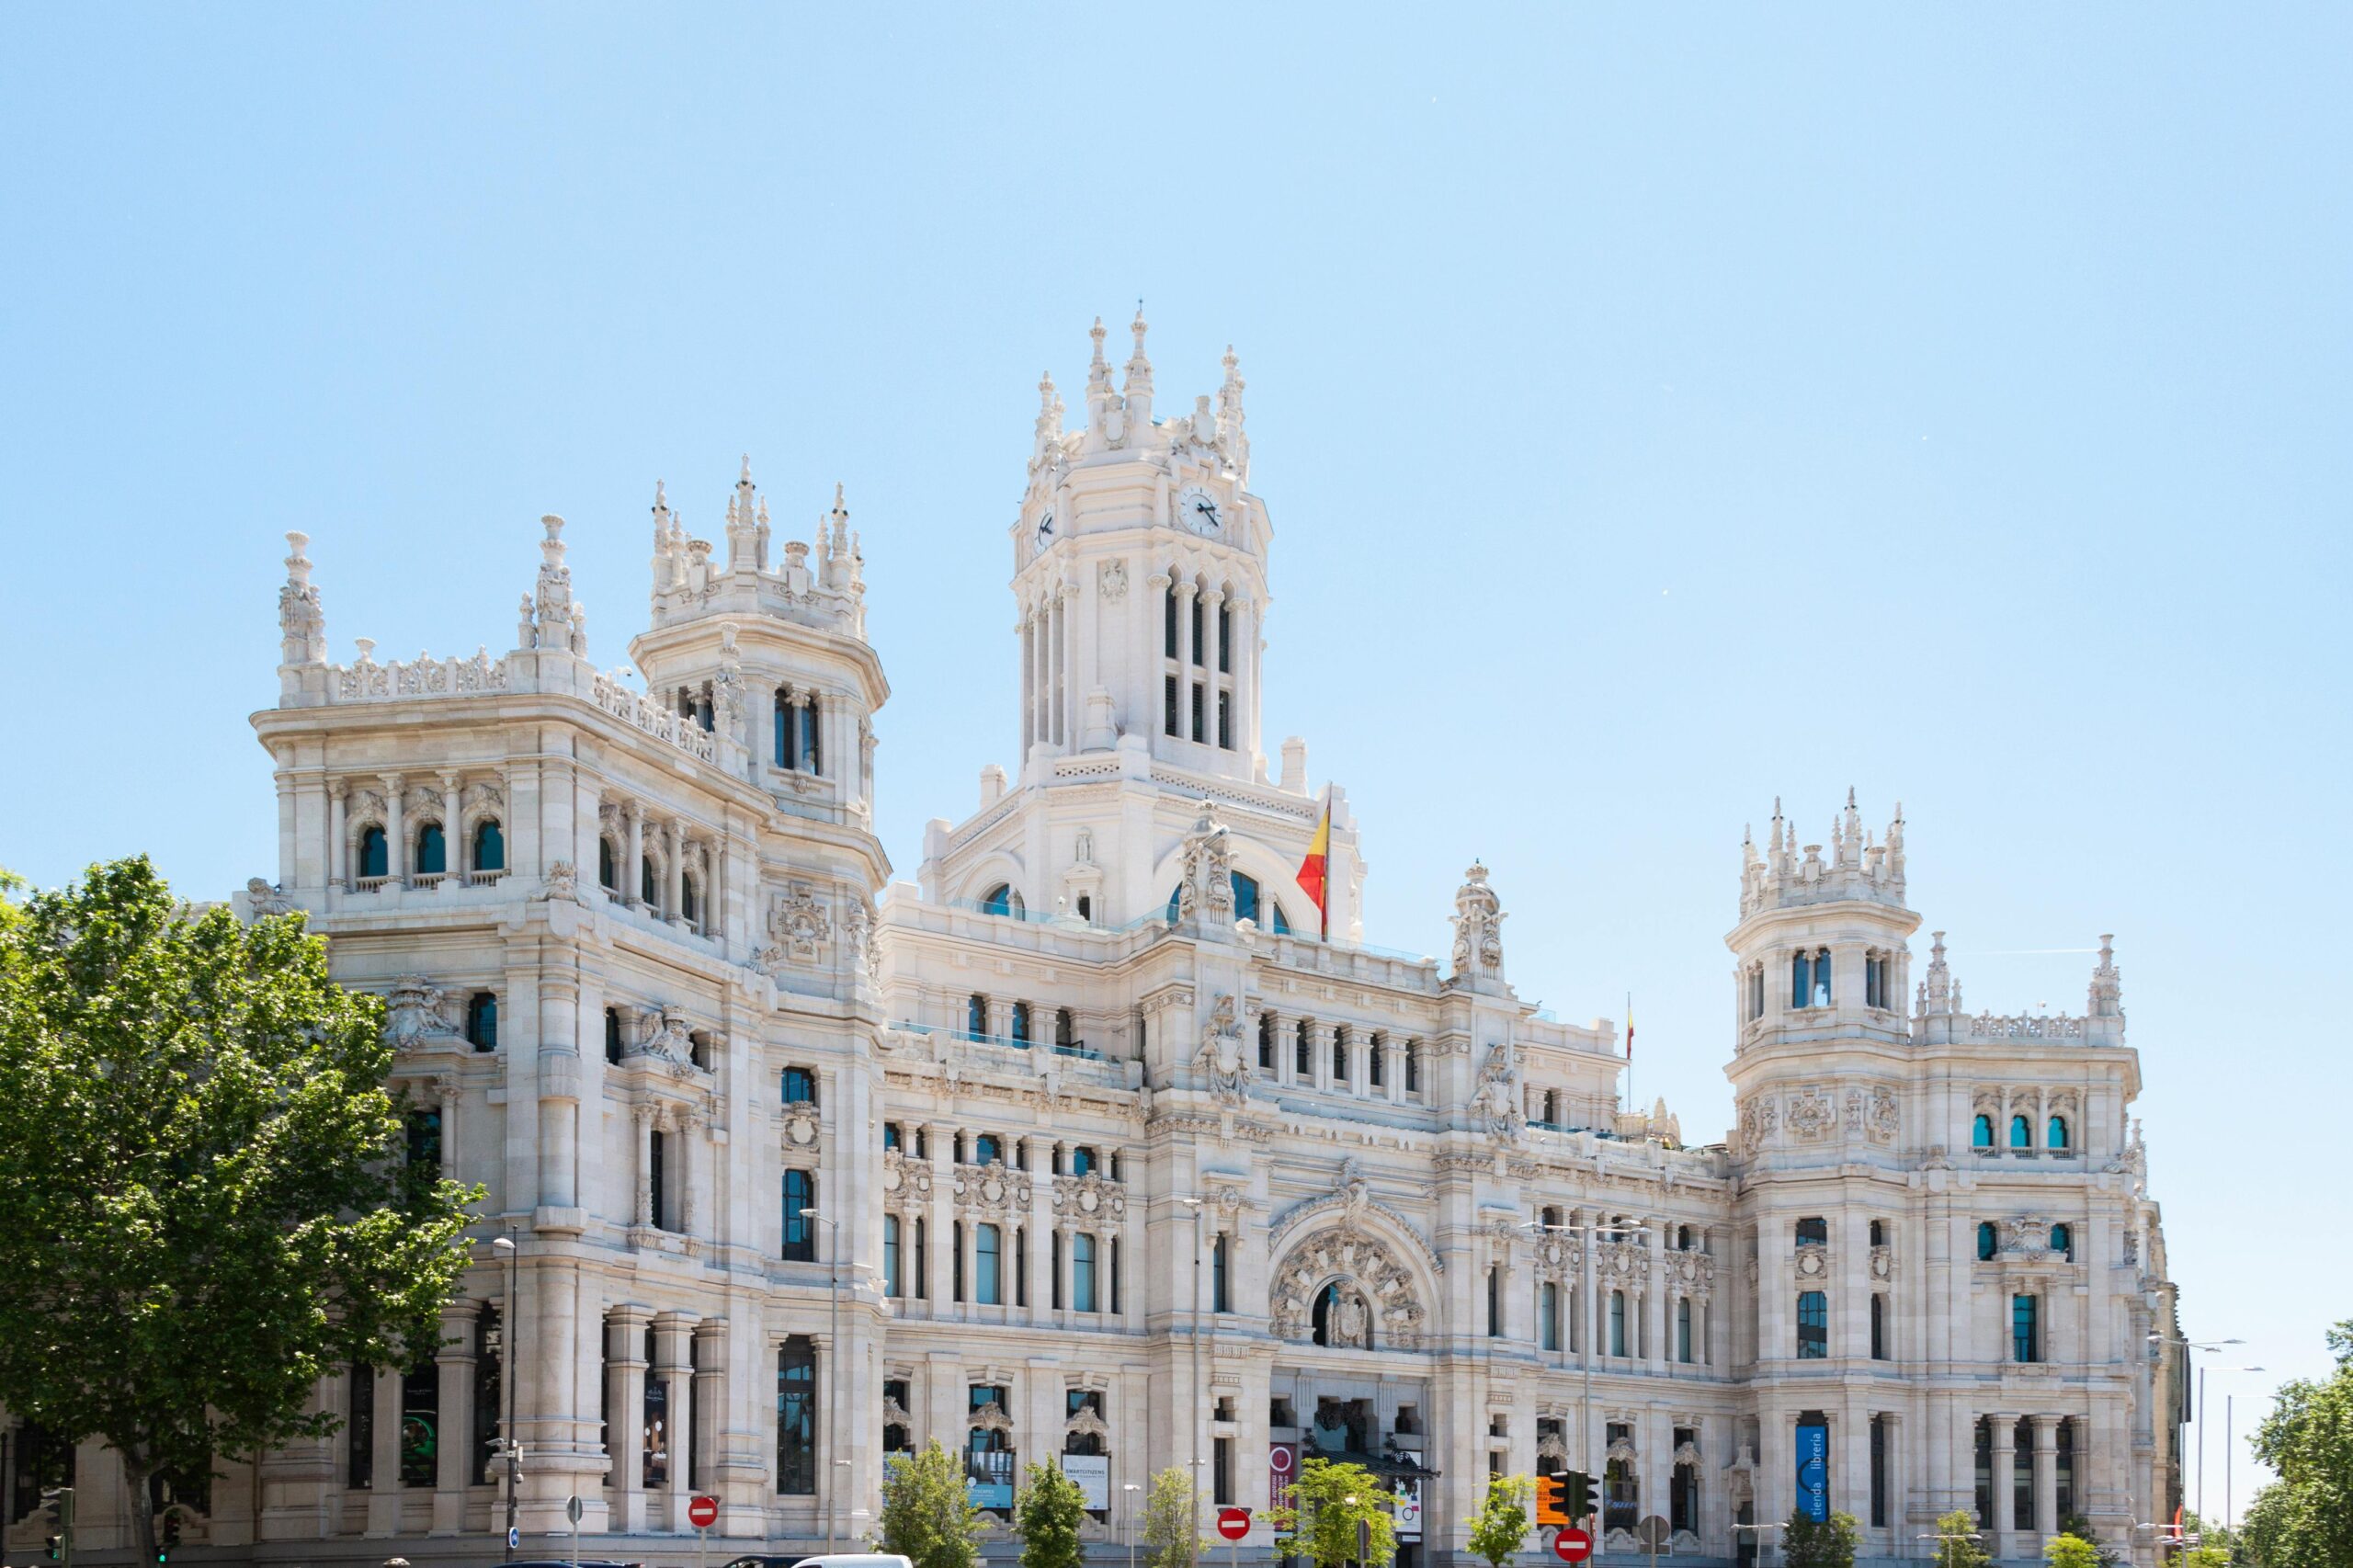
{"x": 1813, "y": 1473}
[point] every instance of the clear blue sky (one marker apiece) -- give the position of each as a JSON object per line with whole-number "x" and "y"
{"x": 1948, "y": 402}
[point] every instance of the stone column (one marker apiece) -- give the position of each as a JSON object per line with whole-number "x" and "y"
{"x": 2006, "y": 1524}
{"x": 634, "y": 873}
{"x": 338, "y": 832}
{"x": 1655, "y": 1312}
{"x": 625, "y": 1423}
{"x": 673, "y": 1331}
{"x": 642, "y": 1118}
{"x": 674, "y": 873}
{"x": 453, "y": 1456}
{"x": 1042, "y": 1227}
{"x": 385, "y": 1456}
{"x": 1393, "y": 1068}
{"x": 966, "y": 1230}
{"x": 2046, "y": 1474}
{"x": 396, "y": 848}
{"x": 1319, "y": 1055}
{"x": 711, "y": 1393}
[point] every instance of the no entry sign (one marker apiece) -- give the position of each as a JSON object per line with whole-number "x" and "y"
{"x": 703, "y": 1511}
{"x": 1572, "y": 1546}
{"x": 1234, "y": 1523}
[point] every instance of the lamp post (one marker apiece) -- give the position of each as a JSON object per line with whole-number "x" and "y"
{"x": 1192, "y": 1405}
{"x": 832, "y": 1352}
{"x": 1585, "y": 1230}
{"x": 508, "y": 1376}
{"x": 2210, "y": 1346}
{"x": 1133, "y": 1504}
{"x": 1945, "y": 1551}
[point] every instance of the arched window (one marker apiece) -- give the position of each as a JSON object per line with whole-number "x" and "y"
{"x": 976, "y": 1015}
{"x": 2063, "y": 1241}
{"x": 648, "y": 888}
{"x": 1245, "y": 898}
{"x": 1002, "y": 900}
{"x": 482, "y": 1020}
{"x": 796, "y": 1417}
{"x": 1618, "y": 1323}
{"x": 1822, "y": 977}
{"x": 490, "y": 846}
{"x": 1987, "y": 1240}
{"x": 1756, "y": 991}
{"x": 987, "y": 1278}
{"x": 1879, "y": 1233}
{"x": 1981, "y": 1132}
{"x": 1330, "y": 1318}
{"x": 1683, "y": 1238}
{"x": 432, "y": 850}
{"x": 1814, "y": 1325}
{"x": 2055, "y": 1135}
{"x": 1281, "y": 925}
{"x": 800, "y": 1228}
{"x": 2022, "y": 1132}
{"x": 373, "y": 859}
{"x": 609, "y": 866}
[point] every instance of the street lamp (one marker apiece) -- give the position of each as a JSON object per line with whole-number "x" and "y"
{"x": 1192, "y": 1403}
{"x": 509, "y": 1375}
{"x": 1585, "y": 1229}
{"x": 833, "y": 1351}
{"x": 2210, "y": 1346}
{"x": 2230, "y": 1520}
{"x": 1132, "y": 1504}
{"x": 1946, "y": 1552}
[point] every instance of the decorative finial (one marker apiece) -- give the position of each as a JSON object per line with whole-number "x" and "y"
{"x": 745, "y": 479}
{"x": 661, "y": 496}
{"x": 1095, "y": 332}
{"x": 838, "y": 506}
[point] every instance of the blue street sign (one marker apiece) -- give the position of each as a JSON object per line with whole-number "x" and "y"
{"x": 513, "y": 1538}
{"x": 1813, "y": 1471}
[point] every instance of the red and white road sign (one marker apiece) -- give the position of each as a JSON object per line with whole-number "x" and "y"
{"x": 1234, "y": 1523}
{"x": 1572, "y": 1546}
{"x": 703, "y": 1511}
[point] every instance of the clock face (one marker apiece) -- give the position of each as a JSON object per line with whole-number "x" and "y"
{"x": 1044, "y": 535}
{"x": 1198, "y": 510}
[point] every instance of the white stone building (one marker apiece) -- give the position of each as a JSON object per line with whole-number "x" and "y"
{"x": 1122, "y": 1161}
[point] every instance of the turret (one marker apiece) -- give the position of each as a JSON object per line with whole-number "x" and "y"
{"x": 1821, "y": 940}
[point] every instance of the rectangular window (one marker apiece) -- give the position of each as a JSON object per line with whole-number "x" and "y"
{"x": 1878, "y": 1473}
{"x": 2026, "y": 1340}
{"x": 1221, "y": 1472}
{"x": 359, "y": 1433}
{"x": 1548, "y": 1315}
{"x": 1168, "y": 703}
{"x": 1021, "y": 1267}
{"x": 1306, "y": 1054}
{"x": 891, "y": 1264}
{"x": 1814, "y": 1325}
{"x": 1374, "y": 1053}
{"x": 923, "y": 1260}
{"x": 420, "y": 1419}
{"x": 1200, "y": 716}
{"x": 1683, "y": 1330}
{"x": 1226, "y": 721}
{"x": 1115, "y": 1276}
{"x": 1169, "y": 624}
{"x": 1224, "y": 639}
{"x": 987, "y": 1283}
{"x": 1495, "y": 1303}
{"x": 796, "y": 1417}
{"x": 1221, "y": 1299}
{"x": 799, "y": 1087}
{"x": 1198, "y": 609}
{"x": 956, "y": 1260}
{"x": 424, "y": 1141}
{"x": 1413, "y": 1068}
{"x": 1618, "y": 1323}
{"x": 1878, "y": 1325}
{"x": 1683, "y": 1486}
{"x": 799, "y": 1229}
{"x": 1081, "y": 1272}
{"x": 656, "y": 1178}
{"x": 1984, "y": 1474}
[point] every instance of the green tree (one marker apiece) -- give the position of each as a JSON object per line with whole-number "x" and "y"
{"x": 204, "y": 1209}
{"x": 1046, "y": 1516}
{"x": 928, "y": 1512}
{"x": 2305, "y": 1519}
{"x": 1819, "y": 1543}
{"x": 1960, "y": 1543}
{"x": 1336, "y": 1516}
{"x": 1172, "y": 1521}
{"x": 1500, "y": 1526}
{"x": 2069, "y": 1551}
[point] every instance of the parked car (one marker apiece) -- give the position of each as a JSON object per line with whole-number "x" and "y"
{"x": 828, "y": 1560}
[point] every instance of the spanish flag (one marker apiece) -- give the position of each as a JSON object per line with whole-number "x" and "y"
{"x": 1313, "y": 876}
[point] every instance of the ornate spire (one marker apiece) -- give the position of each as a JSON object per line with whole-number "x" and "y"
{"x": 302, "y": 627}
{"x": 1478, "y": 929}
{"x": 1229, "y": 415}
{"x": 2107, "y": 982}
{"x": 1937, "y": 993}
{"x": 1098, "y": 369}
{"x": 1049, "y": 432}
{"x": 748, "y": 529}
{"x": 1137, "y": 387}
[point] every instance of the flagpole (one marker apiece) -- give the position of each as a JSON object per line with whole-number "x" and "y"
{"x": 1629, "y": 1046}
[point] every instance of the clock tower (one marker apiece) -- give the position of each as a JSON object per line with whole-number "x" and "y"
{"x": 1140, "y": 572}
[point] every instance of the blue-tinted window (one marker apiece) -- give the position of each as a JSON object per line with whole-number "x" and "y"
{"x": 976, "y": 1015}
{"x": 1980, "y": 1133}
{"x": 1683, "y": 1329}
{"x": 796, "y": 1417}
{"x": 2026, "y": 1341}
{"x": 1986, "y": 1240}
{"x": 2022, "y": 1132}
{"x": 799, "y": 1229}
{"x": 1245, "y": 898}
{"x": 891, "y": 1255}
{"x": 2063, "y": 1241}
{"x": 999, "y": 901}
{"x": 1813, "y": 1232}
{"x": 987, "y": 1149}
{"x": 482, "y": 1020}
{"x": 1814, "y": 1325}
{"x": 373, "y": 859}
{"x": 2055, "y": 1135}
{"x": 987, "y": 1288}
{"x": 1081, "y": 1272}
{"x": 432, "y": 850}
{"x": 490, "y": 847}
{"x": 1280, "y": 925}
{"x": 799, "y": 1087}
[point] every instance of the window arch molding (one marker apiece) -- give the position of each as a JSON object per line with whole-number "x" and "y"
{"x": 1277, "y": 878}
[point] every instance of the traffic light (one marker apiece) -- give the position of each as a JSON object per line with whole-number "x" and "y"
{"x": 54, "y": 1544}
{"x": 58, "y": 1504}
{"x": 171, "y": 1537}
{"x": 1576, "y": 1495}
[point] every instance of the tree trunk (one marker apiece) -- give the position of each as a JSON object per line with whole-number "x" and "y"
{"x": 138, "y": 1482}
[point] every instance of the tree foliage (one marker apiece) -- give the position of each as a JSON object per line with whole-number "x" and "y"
{"x": 1819, "y": 1543}
{"x": 929, "y": 1515}
{"x": 1500, "y": 1526}
{"x": 204, "y": 1206}
{"x": 2070, "y": 1551}
{"x": 1337, "y": 1514}
{"x": 1046, "y": 1516}
{"x": 2305, "y": 1519}
{"x": 1959, "y": 1544}
{"x": 1172, "y": 1521}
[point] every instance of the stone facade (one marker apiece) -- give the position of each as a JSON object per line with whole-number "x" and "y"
{"x": 1122, "y": 1157}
